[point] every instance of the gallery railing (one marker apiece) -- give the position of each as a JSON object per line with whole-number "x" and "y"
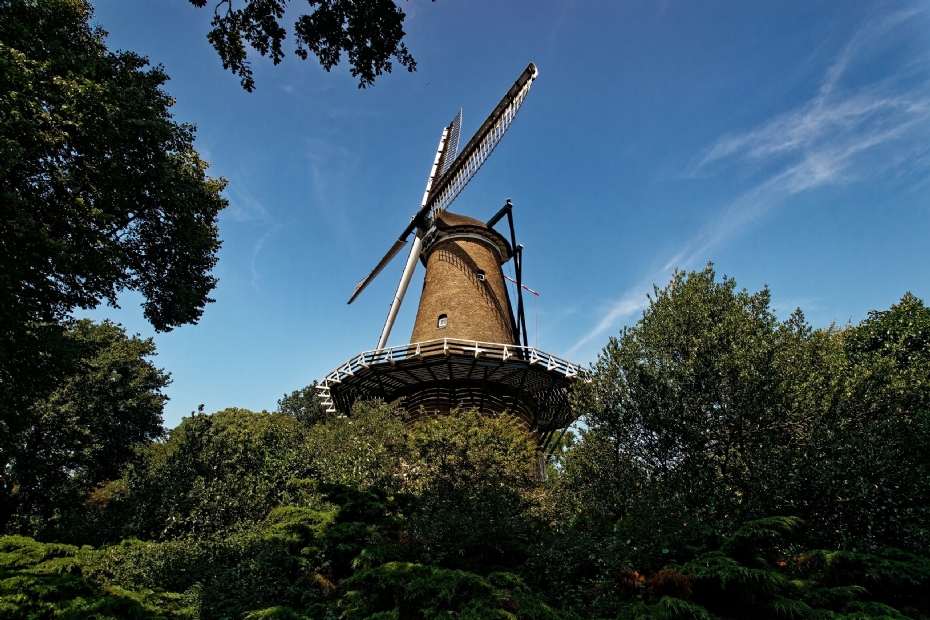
{"x": 449, "y": 347}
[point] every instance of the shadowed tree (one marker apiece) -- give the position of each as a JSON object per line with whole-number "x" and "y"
{"x": 102, "y": 192}
{"x": 369, "y": 32}
{"x": 86, "y": 431}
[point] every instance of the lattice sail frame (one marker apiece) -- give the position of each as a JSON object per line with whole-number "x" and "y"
{"x": 451, "y": 179}
{"x": 480, "y": 147}
{"x": 451, "y": 147}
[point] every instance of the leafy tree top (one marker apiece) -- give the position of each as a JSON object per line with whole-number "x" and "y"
{"x": 102, "y": 190}
{"x": 370, "y": 33}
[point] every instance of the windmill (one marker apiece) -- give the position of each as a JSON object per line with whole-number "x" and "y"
{"x": 448, "y": 177}
{"x": 468, "y": 348}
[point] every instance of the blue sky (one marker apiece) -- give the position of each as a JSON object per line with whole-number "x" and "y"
{"x": 787, "y": 142}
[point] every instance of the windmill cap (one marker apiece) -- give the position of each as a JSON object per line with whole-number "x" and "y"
{"x": 446, "y": 223}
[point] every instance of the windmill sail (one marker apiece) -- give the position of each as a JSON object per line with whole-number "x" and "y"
{"x": 361, "y": 284}
{"x": 442, "y": 155}
{"x": 476, "y": 152}
{"x": 452, "y": 144}
{"x": 450, "y": 173}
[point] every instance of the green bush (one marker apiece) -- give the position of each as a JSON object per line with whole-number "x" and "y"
{"x": 40, "y": 580}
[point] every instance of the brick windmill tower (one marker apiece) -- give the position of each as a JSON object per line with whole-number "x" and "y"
{"x": 468, "y": 348}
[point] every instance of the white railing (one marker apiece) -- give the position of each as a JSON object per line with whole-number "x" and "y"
{"x": 444, "y": 347}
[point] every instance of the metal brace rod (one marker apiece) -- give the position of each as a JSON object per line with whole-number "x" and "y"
{"x": 507, "y": 210}
{"x": 518, "y": 267}
{"x": 521, "y": 316}
{"x": 500, "y": 214}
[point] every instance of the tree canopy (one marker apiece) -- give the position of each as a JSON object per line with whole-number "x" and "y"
{"x": 712, "y": 405}
{"x": 102, "y": 192}
{"x": 85, "y": 431}
{"x": 370, "y": 33}
{"x": 257, "y": 515}
{"x": 732, "y": 465}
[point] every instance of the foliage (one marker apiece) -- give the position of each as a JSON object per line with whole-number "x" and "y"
{"x": 45, "y": 580}
{"x": 304, "y": 406}
{"x": 300, "y": 562}
{"x": 475, "y": 483}
{"x": 102, "y": 192}
{"x": 213, "y": 473}
{"x": 690, "y": 395}
{"x": 708, "y": 417}
{"x": 754, "y": 572}
{"x": 87, "y": 430}
{"x": 239, "y": 518}
{"x": 404, "y": 590}
{"x": 273, "y": 562}
{"x": 369, "y": 33}
{"x": 874, "y": 437}
{"x": 558, "y": 451}
{"x": 711, "y": 404}
{"x": 218, "y": 472}
{"x": 762, "y": 570}
{"x": 730, "y": 465}
{"x": 309, "y": 563}
{"x": 365, "y": 450}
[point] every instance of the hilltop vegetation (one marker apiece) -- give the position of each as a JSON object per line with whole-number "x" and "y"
{"x": 730, "y": 465}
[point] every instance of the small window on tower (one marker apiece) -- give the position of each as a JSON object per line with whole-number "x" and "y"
{"x": 442, "y": 321}
{"x": 481, "y": 274}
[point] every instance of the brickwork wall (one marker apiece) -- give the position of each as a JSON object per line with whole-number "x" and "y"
{"x": 475, "y": 309}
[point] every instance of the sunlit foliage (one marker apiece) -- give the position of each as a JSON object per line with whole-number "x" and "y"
{"x": 728, "y": 465}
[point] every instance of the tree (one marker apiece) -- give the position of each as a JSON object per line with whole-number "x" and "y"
{"x": 231, "y": 468}
{"x": 304, "y": 405}
{"x": 213, "y": 472}
{"x": 861, "y": 472}
{"x": 86, "y": 431}
{"x": 477, "y": 482}
{"x": 711, "y": 409}
{"x": 368, "y": 449}
{"x": 357, "y": 515}
{"x": 102, "y": 192}
{"x": 693, "y": 394}
{"x": 370, "y": 32}
{"x": 712, "y": 426}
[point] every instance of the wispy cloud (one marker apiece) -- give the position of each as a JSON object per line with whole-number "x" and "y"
{"x": 632, "y": 301}
{"x": 245, "y": 209}
{"x": 331, "y": 171}
{"x": 841, "y": 120}
{"x": 256, "y": 249}
{"x": 851, "y": 130}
